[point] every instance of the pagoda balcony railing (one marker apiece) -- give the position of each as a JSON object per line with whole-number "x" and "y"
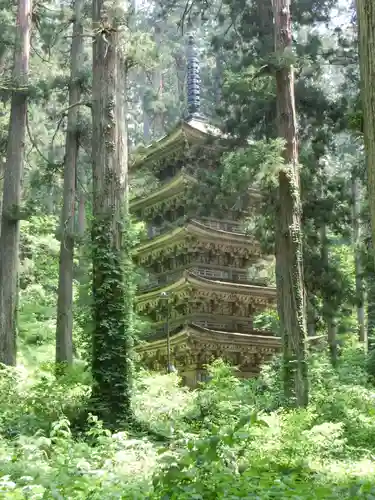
{"x": 204, "y": 272}
{"x": 221, "y": 225}
{"x": 229, "y": 226}
{"x": 228, "y": 275}
{"x": 239, "y": 326}
{"x": 162, "y": 280}
{"x": 159, "y": 331}
{"x": 153, "y": 231}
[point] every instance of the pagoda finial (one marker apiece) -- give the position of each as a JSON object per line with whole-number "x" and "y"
{"x": 193, "y": 76}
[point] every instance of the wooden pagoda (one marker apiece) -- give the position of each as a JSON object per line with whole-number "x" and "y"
{"x": 199, "y": 297}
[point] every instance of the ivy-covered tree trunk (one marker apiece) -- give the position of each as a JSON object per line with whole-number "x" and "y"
{"x": 359, "y": 285}
{"x": 112, "y": 300}
{"x": 13, "y": 175}
{"x": 289, "y": 267}
{"x": 366, "y": 31}
{"x": 64, "y": 324}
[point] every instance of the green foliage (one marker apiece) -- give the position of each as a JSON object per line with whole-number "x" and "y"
{"x": 229, "y": 439}
{"x": 39, "y": 252}
{"x": 256, "y": 165}
{"x": 267, "y": 320}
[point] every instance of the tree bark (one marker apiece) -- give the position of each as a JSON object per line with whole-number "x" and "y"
{"x": 366, "y": 32}
{"x": 112, "y": 306}
{"x": 153, "y": 121}
{"x": 311, "y": 317}
{"x": 64, "y": 324}
{"x": 81, "y": 220}
{"x": 370, "y": 331}
{"x": 13, "y": 176}
{"x": 218, "y": 81}
{"x": 328, "y": 311}
{"x": 289, "y": 263}
{"x": 359, "y": 281}
{"x": 180, "y": 76}
{"x": 157, "y": 77}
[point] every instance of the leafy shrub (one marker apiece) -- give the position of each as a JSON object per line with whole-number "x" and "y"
{"x": 39, "y": 252}
{"x": 228, "y": 439}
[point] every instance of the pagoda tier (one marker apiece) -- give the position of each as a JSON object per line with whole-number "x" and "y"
{"x": 198, "y": 267}
{"x": 187, "y": 133}
{"x": 199, "y": 244}
{"x": 212, "y": 303}
{"x": 172, "y": 197}
{"x": 193, "y": 347}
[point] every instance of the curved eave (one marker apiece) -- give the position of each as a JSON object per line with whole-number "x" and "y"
{"x": 203, "y": 335}
{"x": 175, "y": 186}
{"x": 161, "y": 241}
{"x": 231, "y": 287}
{"x": 194, "y": 130}
{"x": 198, "y": 229}
{"x": 146, "y": 153}
{"x": 175, "y": 287}
{"x": 190, "y": 280}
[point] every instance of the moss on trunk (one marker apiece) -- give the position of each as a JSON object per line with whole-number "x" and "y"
{"x": 111, "y": 241}
{"x": 366, "y": 28}
{"x": 289, "y": 262}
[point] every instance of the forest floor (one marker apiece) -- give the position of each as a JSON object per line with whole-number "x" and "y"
{"x": 227, "y": 440}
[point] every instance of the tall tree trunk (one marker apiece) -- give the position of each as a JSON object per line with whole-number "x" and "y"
{"x": 311, "y": 317}
{"x": 359, "y": 284}
{"x": 81, "y": 219}
{"x": 180, "y": 77}
{"x": 2, "y": 170}
{"x": 112, "y": 303}
{"x": 371, "y": 309}
{"x": 218, "y": 81}
{"x": 370, "y": 288}
{"x": 64, "y": 324}
{"x": 13, "y": 175}
{"x": 289, "y": 266}
{"x": 153, "y": 120}
{"x": 158, "y": 89}
{"x": 3, "y": 56}
{"x": 146, "y": 120}
{"x": 366, "y": 31}
{"x": 328, "y": 308}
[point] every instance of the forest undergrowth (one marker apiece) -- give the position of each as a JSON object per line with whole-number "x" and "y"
{"x": 228, "y": 439}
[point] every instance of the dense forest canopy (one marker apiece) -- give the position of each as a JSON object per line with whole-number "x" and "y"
{"x": 132, "y": 134}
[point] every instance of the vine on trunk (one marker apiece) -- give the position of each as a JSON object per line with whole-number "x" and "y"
{"x": 113, "y": 292}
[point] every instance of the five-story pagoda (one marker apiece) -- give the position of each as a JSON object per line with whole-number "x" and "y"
{"x": 199, "y": 295}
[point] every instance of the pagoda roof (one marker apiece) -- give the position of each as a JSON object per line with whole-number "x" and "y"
{"x": 196, "y": 334}
{"x": 227, "y": 290}
{"x": 199, "y": 230}
{"x": 193, "y": 334}
{"x": 166, "y": 190}
{"x": 175, "y": 186}
{"x": 192, "y": 130}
